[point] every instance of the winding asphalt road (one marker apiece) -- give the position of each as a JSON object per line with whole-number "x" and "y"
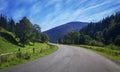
{"x": 68, "y": 59}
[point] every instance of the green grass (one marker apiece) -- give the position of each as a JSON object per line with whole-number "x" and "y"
{"x": 27, "y": 55}
{"x": 6, "y": 46}
{"x": 113, "y": 54}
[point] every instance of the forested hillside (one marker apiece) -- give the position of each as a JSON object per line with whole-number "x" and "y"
{"x": 21, "y": 42}
{"x": 24, "y": 31}
{"x": 104, "y": 32}
{"x": 59, "y": 31}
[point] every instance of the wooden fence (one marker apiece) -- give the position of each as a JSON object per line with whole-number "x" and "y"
{"x": 26, "y": 54}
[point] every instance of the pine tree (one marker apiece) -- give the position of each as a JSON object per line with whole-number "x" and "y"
{"x": 11, "y": 25}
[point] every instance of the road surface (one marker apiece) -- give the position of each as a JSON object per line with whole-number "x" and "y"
{"x": 68, "y": 59}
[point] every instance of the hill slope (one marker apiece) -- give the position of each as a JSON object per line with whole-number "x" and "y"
{"x": 58, "y": 32}
{"x": 7, "y": 41}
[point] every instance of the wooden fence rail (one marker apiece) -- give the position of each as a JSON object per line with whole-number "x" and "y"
{"x": 25, "y": 54}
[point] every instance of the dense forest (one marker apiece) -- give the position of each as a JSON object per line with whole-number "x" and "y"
{"x": 24, "y": 31}
{"x": 104, "y": 32}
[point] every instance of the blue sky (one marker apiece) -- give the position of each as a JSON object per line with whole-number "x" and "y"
{"x": 52, "y": 13}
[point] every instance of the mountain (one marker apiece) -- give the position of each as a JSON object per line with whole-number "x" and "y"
{"x": 59, "y": 31}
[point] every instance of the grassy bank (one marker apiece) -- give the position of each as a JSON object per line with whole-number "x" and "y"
{"x": 12, "y": 54}
{"x": 26, "y": 54}
{"x": 8, "y": 42}
{"x": 7, "y": 47}
{"x": 113, "y": 54}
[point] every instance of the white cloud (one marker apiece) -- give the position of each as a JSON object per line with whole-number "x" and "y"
{"x": 97, "y": 16}
{"x": 52, "y": 2}
{"x": 78, "y": 15}
{"x": 35, "y": 9}
{"x": 51, "y": 13}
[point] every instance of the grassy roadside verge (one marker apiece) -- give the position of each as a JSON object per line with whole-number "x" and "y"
{"x": 114, "y": 55}
{"x": 26, "y": 55}
{"x": 9, "y": 47}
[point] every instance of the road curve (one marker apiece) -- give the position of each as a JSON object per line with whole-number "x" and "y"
{"x": 68, "y": 59}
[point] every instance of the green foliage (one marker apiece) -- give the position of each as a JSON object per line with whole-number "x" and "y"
{"x": 3, "y": 59}
{"x": 113, "y": 47}
{"x": 106, "y": 30}
{"x": 37, "y": 33}
{"x": 70, "y": 38}
{"x": 60, "y": 40}
{"x": 26, "y": 56}
{"x": 102, "y": 33}
{"x": 75, "y": 38}
{"x": 117, "y": 40}
{"x": 96, "y": 43}
{"x": 3, "y": 21}
{"x": 24, "y": 30}
{"x": 85, "y": 39}
{"x": 7, "y": 24}
{"x": 7, "y": 43}
{"x": 11, "y": 25}
{"x": 99, "y": 36}
{"x": 8, "y": 37}
{"x": 6, "y": 46}
{"x": 13, "y": 35}
{"x": 44, "y": 38}
{"x": 18, "y": 54}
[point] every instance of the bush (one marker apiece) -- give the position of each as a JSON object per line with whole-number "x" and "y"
{"x": 12, "y": 57}
{"x": 26, "y": 56}
{"x": 18, "y": 54}
{"x": 116, "y": 53}
{"x": 113, "y": 47}
{"x": 3, "y": 59}
{"x": 96, "y": 43}
{"x": 117, "y": 40}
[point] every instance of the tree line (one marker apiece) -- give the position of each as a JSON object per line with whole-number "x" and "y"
{"x": 104, "y": 32}
{"x": 24, "y": 30}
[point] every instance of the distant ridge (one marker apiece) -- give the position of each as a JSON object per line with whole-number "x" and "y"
{"x": 59, "y": 31}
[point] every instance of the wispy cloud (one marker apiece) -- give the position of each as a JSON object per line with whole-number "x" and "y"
{"x": 51, "y": 13}
{"x": 80, "y": 14}
{"x": 3, "y": 5}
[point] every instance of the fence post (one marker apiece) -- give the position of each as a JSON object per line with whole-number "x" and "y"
{"x": 41, "y": 50}
{"x": 19, "y": 53}
{"x": 19, "y": 50}
{"x": 33, "y": 50}
{"x": 0, "y": 60}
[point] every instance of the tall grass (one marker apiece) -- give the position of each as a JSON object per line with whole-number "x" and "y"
{"x": 112, "y": 52}
{"x": 26, "y": 55}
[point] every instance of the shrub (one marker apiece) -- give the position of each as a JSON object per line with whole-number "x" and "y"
{"x": 26, "y": 56}
{"x": 117, "y": 40}
{"x": 3, "y": 59}
{"x": 18, "y": 54}
{"x": 112, "y": 46}
{"x": 96, "y": 43}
